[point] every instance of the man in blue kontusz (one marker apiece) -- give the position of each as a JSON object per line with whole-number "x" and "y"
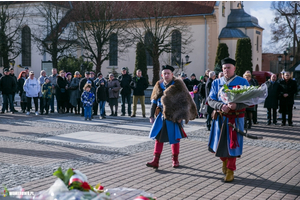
{"x": 223, "y": 141}
{"x": 171, "y": 103}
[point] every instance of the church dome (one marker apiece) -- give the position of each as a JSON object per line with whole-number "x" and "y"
{"x": 238, "y": 18}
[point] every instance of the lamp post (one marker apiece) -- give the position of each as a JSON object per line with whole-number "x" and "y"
{"x": 182, "y": 63}
{"x": 291, "y": 58}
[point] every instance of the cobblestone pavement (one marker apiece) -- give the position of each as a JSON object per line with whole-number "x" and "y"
{"x": 268, "y": 168}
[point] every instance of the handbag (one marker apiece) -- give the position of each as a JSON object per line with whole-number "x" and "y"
{"x": 203, "y": 109}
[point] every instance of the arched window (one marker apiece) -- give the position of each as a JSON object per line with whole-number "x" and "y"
{"x": 113, "y": 50}
{"x": 256, "y": 68}
{"x": 257, "y": 43}
{"x": 176, "y": 47}
{"x": 148, "y": 45}
{"x": 26, "y": 46}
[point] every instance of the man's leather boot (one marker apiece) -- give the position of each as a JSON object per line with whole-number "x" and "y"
{"x": 175, "y": 163}
{"x": 154, "y": 162}
{"x": 229, "y": 176}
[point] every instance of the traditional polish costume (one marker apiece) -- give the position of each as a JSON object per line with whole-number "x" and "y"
{"x": 223, "y": 141}
{"x": 171, "y": 103}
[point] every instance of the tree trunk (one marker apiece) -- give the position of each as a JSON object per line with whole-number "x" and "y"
{"x": 54, "y": 60}
{"x": 98, "y": 65}
{"x": 155, "y": 69}
{"x": 5, "y": 60}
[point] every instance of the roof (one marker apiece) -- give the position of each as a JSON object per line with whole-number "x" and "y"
{"x": 238, "y": 18}
{"x": 296, "y": 67}
{"x": 232, "y": 33}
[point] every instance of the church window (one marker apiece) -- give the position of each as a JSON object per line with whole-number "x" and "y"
{"x": 223, "y": 9}
{"x": 113, "y": 50}
{"x": 257, "y": 43}
{"x": 176, "y": 47}
{"x": 26, "y": 46}
{"x": 149, "y": 46}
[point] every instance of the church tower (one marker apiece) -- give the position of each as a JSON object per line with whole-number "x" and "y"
{"x": 242, "y": 25}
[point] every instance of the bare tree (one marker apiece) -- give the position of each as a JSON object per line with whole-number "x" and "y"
{"x": 97, "y": 22}
{"x": 11, "y": 22}
{"x": 285, "y": 24}
{"x": 54, "y": 34}
{"x": 158, "y": 20}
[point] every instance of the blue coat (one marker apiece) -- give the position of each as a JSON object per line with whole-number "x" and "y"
{"x": 219, "y": 144}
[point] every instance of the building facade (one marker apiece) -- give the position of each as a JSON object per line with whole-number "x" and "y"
{"x": 210, "y": 24}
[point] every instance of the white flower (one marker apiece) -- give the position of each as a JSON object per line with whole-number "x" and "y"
{"x": 80, "y": 174}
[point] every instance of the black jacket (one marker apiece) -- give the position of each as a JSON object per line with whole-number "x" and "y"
{"x": 61, "y": 92}
{"x": 201, "y": 89}
{"x": 139, "y": 85}
{"x": 208, "y": 87}
{"x": 102, "y": 91}
{"x": 273, "y": 95}
{"x": 16, "y": 80}
{"x": 192, "y": 83}
{"x": 187, "y": 82}
{"x": 125, "y": 81}
{"x": 289, "y": 88}
{"x": 20, "y": 84}
{"x": 7, "y": 84}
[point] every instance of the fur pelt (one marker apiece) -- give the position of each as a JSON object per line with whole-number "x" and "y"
{"x": 177, "y": 102}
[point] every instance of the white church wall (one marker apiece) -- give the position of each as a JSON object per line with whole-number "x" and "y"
{"x": 34, "y": 21}
{"x": 196, "y": 54}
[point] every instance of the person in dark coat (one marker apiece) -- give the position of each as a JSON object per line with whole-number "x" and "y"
{"x": 194, "y": 87}
{"x": 139, "y": 84}
{"x": 193, "y": 82}
{"x": 12, "y": 74}
{"x": 250, "y": 109}
{"x": 125, "y": 80}
{"x": 202, "y": 96}
{"x": 271, "y": 102}
{"x": 69, "y": 78}
{"x": 211, "y": 78}
{"x": 61, "y": 92}
{"x": 101, "y": 94}
{"x": 186, "y": 81}
{"x": 75, "y": 96}
{"x": 22, "y": 93}
{"x": 287, "y": 89}
{"x": 82, "y": 83}
{"x": 114, "y": 87}
{"x": 8, "y": 87}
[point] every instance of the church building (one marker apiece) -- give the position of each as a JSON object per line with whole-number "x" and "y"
{"x": 210, "y": 22}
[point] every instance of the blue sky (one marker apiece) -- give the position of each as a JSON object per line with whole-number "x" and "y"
{"x": 262, "y": 11}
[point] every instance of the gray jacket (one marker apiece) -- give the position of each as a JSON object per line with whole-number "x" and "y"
{"x": 53, "y": 81}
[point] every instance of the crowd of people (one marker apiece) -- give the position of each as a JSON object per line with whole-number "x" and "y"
{"x": 68, "y": 91}
{"x": 83, "y": 95}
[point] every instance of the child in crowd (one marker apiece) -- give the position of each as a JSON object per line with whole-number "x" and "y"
{"x": 47, "y": 94}
{"x": 87, "y": 99}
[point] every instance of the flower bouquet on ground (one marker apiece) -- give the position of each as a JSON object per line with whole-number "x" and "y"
{"x": 249, "y": 95}
{"x": 72, "y": 184}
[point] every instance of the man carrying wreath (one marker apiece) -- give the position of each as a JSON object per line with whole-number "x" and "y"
{"x": 225, "y": 142}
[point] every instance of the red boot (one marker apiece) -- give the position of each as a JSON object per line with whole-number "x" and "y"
{"x": 154, "y": 162}
{"x": 175, "y": 163}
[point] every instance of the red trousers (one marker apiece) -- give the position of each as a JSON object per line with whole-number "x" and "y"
{"x": 159, "y": 147}
{"x": 230, "y": 163}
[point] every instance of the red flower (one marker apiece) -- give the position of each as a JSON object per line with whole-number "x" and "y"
{"x": 100, "y": 187}
{"x": 86, "y": 186}
{"x": 238, "y": 87}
